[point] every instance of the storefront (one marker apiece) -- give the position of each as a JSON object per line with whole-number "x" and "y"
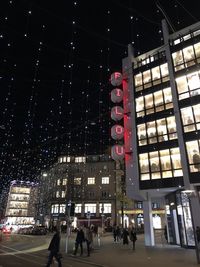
{"x": 179, "y": 220}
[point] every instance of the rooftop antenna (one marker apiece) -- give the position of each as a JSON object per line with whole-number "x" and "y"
{"x": 165, "y": 15}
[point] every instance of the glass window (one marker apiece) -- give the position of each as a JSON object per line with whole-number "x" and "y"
{"x": 57, "y": 194}
{"x": 188, "y": 53}
{"x": 178, "y": 60}
{"x": 193, "y": 80}
{"x": 196, "y": 109}
{"x": 105, "y": 180}
{"x": 90, "y": 207}
{"x": 171, "y": 126}
{"x": 149, "y": 103}
{"x": 138, "y": 80}
{"x": 162, "y": 130}
{"x": 167, "y": 95}
{"x": 139, "y": 104}
{"x": 80, "y": 159}
{"x": 58, "y": 182}
{"x": 188, "y": 119}
{"x": 146, "y": 76}
{"x": 91, "y": 180}
{"x": 154, "y": 161}
{"x": 105, "y": 208}
{"x": 176, "y": 160}
{"x": 155, "y": 73}
{"x": 144, "y": 163}
{"x": 164, "y": 70}
{"x": 151, "y": 131}
{"x": 193, "y": 153}
{"x": 141, "y": 131}
{"x": 62, "y": 208}
{"x": 182, "y": 84}
{"x": 78, "y": 208}
{"x": 197, "y": 49}
{"x": 158, "y": 96}
{"x": 55, "y": 208}
{"x": 165, "y": 160}
{"x": 77, "y": 181}
{"x": 63, "y": 194}
{"x": 64, "y": 181}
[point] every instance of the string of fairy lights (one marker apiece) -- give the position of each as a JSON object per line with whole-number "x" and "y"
{"x": 55, "y": 69}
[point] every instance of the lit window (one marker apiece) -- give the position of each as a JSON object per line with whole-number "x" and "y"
{"x": 55, "y": 208}
{"x": 91, "y": 180}
{"x": 193, "y": 152}
{"x": 197, "y": 49}
{"x": 77, "y": 181}
{"x": 105, "y": 180}
{"x": 57, "y": 194}
{"x": 138, "y": 80}
{"x": 63, "y": 194}
{"x": 78, "y": 208}
{"x": 105, "y": 208}
{"x": 80, "y": 159}
{"x": 188, "y": 53}
{"x": 90, "y": 207}
{"x": 146, "y": 76}
{"x": 62, "y": 208}
{"x": 58, "y": 182}
{"x": 64, "y": 181}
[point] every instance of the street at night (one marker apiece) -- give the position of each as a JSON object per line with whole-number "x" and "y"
{"x": 22, "y": 251}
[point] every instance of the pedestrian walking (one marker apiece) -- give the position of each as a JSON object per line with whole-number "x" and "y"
{"x": 88, "y": 239}
{"x": 80, "y": 238}
{"x": 54, "y": 248}
{"x": 133, "y": 236}
{"x": 198, "y": 234}
{"x": 125, "y": 235}
{"x": 118, "y": 234}
{"x": 114, "y": 233}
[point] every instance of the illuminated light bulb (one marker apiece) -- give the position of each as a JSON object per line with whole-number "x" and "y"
{"x": 30, "y": 12}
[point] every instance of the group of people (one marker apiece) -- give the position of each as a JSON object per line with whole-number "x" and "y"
{"x": 84, "y": 234}
{"x": 125, "y": 234}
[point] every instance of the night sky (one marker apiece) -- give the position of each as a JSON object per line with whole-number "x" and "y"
{"x": 56, "y": 58}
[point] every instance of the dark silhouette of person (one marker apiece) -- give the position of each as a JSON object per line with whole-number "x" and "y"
{"x": 125, "y": 235}
{"x": 88, "y": 239}
{"x": 196, "y": 160}
{"x": 198, "y": 234}
{"x": 54, "y": 248}
{"x": 80, "y": 238}
{"x": 133, "y": 237}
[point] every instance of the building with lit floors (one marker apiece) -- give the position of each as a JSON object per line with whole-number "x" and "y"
{"x": 21, "y": 204}
{"x": 90, "y": 182}
{"x": 161, "y": 101}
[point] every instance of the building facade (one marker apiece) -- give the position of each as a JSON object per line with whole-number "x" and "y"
{"x": 89, "y": 182}
{"x": 161, "y": 91}
{"x": 21, "y": 204}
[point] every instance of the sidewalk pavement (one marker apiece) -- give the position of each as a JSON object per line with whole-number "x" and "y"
{"x": 110, "y": 254}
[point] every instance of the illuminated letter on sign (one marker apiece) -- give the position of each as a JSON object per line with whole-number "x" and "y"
{"x": 116, "y": 95}
{"x": 117, "y": 113}
{"x": 117, "y": 152}
{"x": 117, "y": 132}
{"x": 116, "y": 79}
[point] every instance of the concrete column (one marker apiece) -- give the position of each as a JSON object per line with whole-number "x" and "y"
{"x": 148, "y": 223}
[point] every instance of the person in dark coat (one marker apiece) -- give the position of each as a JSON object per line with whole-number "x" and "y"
{"x": 133, "y": 236}
{"x": 54, "y": 248}
{"x": 125, "y": 235}
{"x": 80, "y": 238}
